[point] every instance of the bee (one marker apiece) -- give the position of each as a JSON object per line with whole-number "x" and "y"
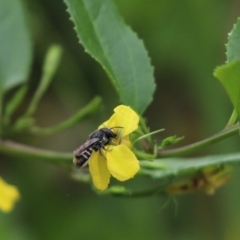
{"x": 97, "y": 141}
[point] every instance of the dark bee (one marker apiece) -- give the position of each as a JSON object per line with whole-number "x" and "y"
{"x": 97, "y": 141}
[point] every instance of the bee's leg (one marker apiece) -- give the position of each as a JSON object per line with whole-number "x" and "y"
{"x": 100, "y": 150}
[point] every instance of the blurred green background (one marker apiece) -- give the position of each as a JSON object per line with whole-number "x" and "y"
{"x": 185, "y": 40}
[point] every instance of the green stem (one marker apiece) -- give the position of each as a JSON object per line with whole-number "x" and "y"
{"x": 147, "y": 135}
{"x": 201, "y": 144}
{"x": 49, "y": 68}
{"x": 83, "y": 113}
{"x": 13, "y": 104}
{"x": 19, "y": 150}
{"x": 232, "y": 119}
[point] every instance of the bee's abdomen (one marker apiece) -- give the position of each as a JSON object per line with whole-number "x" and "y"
{"x": 82, "y": 159}
{"x": 87, "y": 153}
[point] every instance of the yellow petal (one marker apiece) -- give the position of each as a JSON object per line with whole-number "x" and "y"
{"x": 123, "y": 117}
{"x": 9, "y": 194}
{"x": 122, "y": 163}
{"x": 99, "y": 171}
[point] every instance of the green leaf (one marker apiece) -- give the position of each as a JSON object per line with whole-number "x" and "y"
{"x": 161, "y": 168}
{"x": 116, "y": 47}
{"x": 15, "y": 50}
{"x": 233, "y": 45}
{"x": 229, "y": 76}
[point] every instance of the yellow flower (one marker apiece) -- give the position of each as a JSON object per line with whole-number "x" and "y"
{"x": 9, "y": 194}
{"x": 118, "y": 160}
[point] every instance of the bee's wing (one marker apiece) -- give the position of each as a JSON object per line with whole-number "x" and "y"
{"x": 84, "y": 146}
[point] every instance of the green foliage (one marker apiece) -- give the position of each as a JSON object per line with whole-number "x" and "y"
{"x": 27, "y": 122}
{"x": 125, "y": 60}
{"x": 229, "y": 74}
{"x": 107, "y": 39}
{"x": 187, "y": 102}
{"x": 16, "y": 49}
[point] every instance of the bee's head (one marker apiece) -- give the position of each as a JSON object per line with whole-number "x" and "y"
{"x": 108, "y": 132}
